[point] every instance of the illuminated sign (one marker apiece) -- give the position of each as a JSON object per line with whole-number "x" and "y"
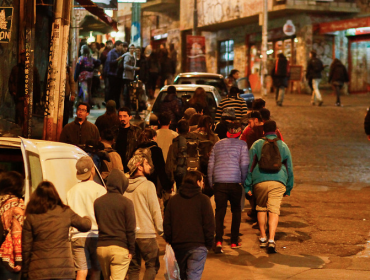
{"x": 6, "y": 15}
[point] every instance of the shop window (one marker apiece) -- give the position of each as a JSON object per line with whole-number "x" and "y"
{"x": 226, "y": 57}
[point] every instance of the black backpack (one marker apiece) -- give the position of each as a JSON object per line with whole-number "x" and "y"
{"x": 270, "y": 160}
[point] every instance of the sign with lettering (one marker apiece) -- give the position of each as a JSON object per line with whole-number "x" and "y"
{"x": 196, "y": 53}
{"x": 295, "y": 72}
{"x": 6, "y": 15}
{"x": 289, "y": 28}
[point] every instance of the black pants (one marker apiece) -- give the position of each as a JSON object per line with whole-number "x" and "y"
{"x": 126, "y": 92}
{"x": 337, "y": 91}
{"x": 228, "y": 192}
{"x": 114, "y": 89}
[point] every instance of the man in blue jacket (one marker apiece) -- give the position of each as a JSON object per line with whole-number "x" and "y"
{"x": 269, "y": 187}
{"x": 227, "y": 170}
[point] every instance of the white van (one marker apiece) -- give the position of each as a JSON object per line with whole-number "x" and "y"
{"x": 40, "y": 160}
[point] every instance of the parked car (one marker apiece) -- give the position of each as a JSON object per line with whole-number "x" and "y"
{"x": 216, "y": 80}
{"x": 40, "y": 160}
{"x": 185, "y": 92}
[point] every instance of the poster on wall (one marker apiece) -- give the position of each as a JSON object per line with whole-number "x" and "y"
{"x": 196, "y": 53}
{"x": 6, "y": 15}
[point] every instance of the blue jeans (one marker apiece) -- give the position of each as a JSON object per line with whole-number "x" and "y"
{"x": 191, "y": 262}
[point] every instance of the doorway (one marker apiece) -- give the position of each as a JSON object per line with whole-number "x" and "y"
{"x": 359, "y": 64}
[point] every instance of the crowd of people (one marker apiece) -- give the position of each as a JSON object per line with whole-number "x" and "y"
{"x": 159, "y": 184}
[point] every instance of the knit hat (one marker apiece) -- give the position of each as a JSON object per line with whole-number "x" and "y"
{"x": 229, "y": 113}
{"x": 84, "y": 166}
{"x": 111, "y": 106}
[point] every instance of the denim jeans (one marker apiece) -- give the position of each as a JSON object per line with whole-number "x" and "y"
{"x": 316, "y": 96}
{"x": 228, "y": 192}
{"x": 191, "y": 262}
{"x": 280, "y": 92}
{"x": 148, "y": 250}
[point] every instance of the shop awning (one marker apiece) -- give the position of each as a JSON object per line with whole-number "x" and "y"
{"x": 94, "y": 25}
{"x": 339, "y": 25}
{"x": 99, "y": 12}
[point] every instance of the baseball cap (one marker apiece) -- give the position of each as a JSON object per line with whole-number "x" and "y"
{"x": 84, "y": 166}
{"x": 135, "y": 162}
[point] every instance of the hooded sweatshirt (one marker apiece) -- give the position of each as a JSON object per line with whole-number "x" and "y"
{"x": 115, "y": 214}
{"x": 143, "y": 194}
{"x": 189, "y": 221}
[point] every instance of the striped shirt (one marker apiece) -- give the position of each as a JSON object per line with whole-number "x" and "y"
{"x": 238, "y": 104}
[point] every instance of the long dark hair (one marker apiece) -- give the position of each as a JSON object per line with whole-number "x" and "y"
{"x": 11, "y": 183}
{"x": 44, "y": 198}
{"x": 147, "y": 135}
{"x": 206, "y": 123}
{"x": 199, "y": 97}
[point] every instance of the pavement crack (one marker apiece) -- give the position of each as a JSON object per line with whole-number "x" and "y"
{"x": 292, "y": 276}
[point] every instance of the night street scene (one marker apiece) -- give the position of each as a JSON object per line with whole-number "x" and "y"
{"x": 184, "y": 139}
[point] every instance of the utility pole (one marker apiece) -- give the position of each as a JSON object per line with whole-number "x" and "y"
{"x": 195, "y": 18}
{"x": 264, "y": 47}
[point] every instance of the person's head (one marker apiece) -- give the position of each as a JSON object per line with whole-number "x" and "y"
{"x": 281, "y": 55}
{"x": 138, "y": 52}
{"x": 108, "y": 135}
{"x": 199, "y": 97}
{"x": 153, "y": 121}
{"x": 265, "y": 114}
{"x": 85, "y": 50}
{"x": 254, "y": 119}
{"x": 205, "y": 124}
{"x": 83, "y": 110}
{"x": 124, "y": 46}
{"x": 313, "y": 54}
{"x": 85, "y": 168}
{"x": 269, "y": 127}
{"x": 109, "y": 44}
{"x": 228, "y": 113}
{"x": 164, "y": 119}
{"x": 233, "y": 93}
{"x": 93, "y": 47}
{"x": 182, "y": 127}
{"x": 234, "y": 129}
{"x": 171, "y": 90}
{"x": 102, "y": 46}
{"x": 258, "y": 104}
{"x": 147, "y": 135}
{"x": 188, "y": 113}
{"x": 124, "y": 116}
{"x": 194, "y": 178}
{"x": 44, "y": 198}
{"x": 139, "y": 165}
{"x": 118, "y": 45}
{"x": 111, "y": 107}
{"x": 194, "y": 119}
{"x": 117, "y": 181}
{"x": 132, "y": 49}
{"x": 11, "y": 183}
{"x": 234, "y": 74}
{"x": 23, "y": 56}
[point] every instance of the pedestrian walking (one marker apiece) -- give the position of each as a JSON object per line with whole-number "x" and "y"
{"x": 109, "y": 120}
{"x": 129, "y": 68}
{"x": 45, "y": 238}
{"x": 80, "y": 130}
{"x": 338, "y": 75}
{"x": 11, "y": 223}
{"x": 127, "y": 137}
{"x": 81, "y": 198}
{"x": 254, "y": 130}
{"x": 313, "y": 76}
{"x": 165, "y": 135}
{"x": 189, "y": 226}
{"x": 115, "y": 217}
{"x": 232, "y": 78}
{"x": 172, "y": 53}
{"x": 148, "y": 218}
{"x": 154, "y": 70}
{"x": 228, "y": 116}
{"x": 111, "y": 70}
{"x": 233, "y": 100}
{"x": 270, "y": 177}
{"x": 227, "y": 170}
{"x": 265, "y": 114}
{"x": 103, "y": 60}
{"x": 367, "y": 124}
{"x": 84, "y": 73}
{"x": 166, "y": 67}
{"x": 173, "y": 105}
{"x": 280, "y": 77}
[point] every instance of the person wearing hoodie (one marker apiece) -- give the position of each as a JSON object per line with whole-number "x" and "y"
{"x": 173, "y": 105}
{"x": 189, "y": 226}
{"x": 115, "y": 217}
{"x": 129, "y": 68}
{"x": 148, "y": 215}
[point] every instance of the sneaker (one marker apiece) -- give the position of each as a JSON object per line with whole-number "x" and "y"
{"x": 338, "y": 104}
{"x": 236, "y": 246}
{"x": 279, "y": 104}
{"x": 320, "y": 103}
{"x": 263, "y": 242}
{"x": 218, "y": 248}
{"x": 271, "y": 248}
{"x": 312, "y": 103}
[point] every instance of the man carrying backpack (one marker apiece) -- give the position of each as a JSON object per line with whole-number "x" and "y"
{"x": 270, "y": 177}
{"x": 313, "y": 76}
{"x": 227, "y": 170}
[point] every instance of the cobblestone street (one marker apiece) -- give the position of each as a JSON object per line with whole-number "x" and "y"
{"x": 324, "y": 227}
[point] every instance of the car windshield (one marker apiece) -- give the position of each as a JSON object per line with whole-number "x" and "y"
{"x": 217, "y": 83}
{"x": 185, "y": 96}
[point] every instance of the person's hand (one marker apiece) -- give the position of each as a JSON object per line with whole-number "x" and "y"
{"x": 249, "y": 193}
{"x": 130, "y": 256}
{"x": 72, "y": 98}
{"x": 137, "y": 68}
{"x": 368, "y": 137}
{"x": 17, "y": 268}
{"x": 285, "y": 195}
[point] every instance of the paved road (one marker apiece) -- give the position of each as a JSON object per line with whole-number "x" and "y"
{"x": 324, "y": 226}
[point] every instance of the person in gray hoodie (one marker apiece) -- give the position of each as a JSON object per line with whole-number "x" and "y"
{"x": 142, "y": 193}
{"x": 115, "y": 217}
{"x": 129, "y": 67}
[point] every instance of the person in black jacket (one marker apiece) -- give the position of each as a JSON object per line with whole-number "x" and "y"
{"x": 313, "y": 76}
{"x": 115, "y": 217}
{"x": 280, "y": 77}
{"x": 337, "y": 77}
{"x": 189, "y": 226}
{"x": 367, "y": 124}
